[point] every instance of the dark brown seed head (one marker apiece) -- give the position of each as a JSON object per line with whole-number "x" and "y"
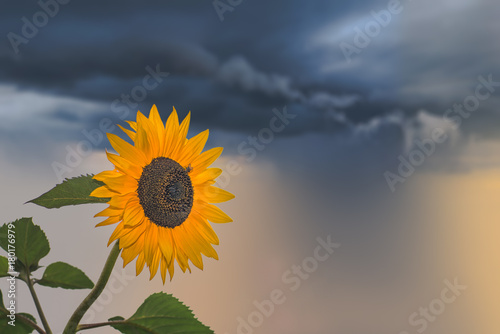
{"x": 165, "y": 192}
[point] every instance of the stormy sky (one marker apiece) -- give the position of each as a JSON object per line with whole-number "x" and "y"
{"x": 351, "y": 119}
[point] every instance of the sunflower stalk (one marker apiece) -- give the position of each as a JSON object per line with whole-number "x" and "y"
{"x": 77, "y": 316}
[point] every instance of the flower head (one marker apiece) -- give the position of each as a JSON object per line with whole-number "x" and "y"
{"x": 161, "y": 190}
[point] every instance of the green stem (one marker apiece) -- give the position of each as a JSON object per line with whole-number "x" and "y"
{"x": 77, "y": 316}
{"x": 29, "y": 282}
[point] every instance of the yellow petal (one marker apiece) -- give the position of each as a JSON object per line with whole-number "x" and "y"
{"x": 182, "y": 140}
{"x": 166, "y": 243}
{"x": 116, "y": 233}
{"x": 109, "y": 221}
{"x": 125, "y": 166}
{"x": 106, "y": 174}
{"x": 204, "y": 227}
{"x": 163, "y": 269}
{"x": 123, "y": 184}
{"x": 127, "y": 151}
{"x": 154, "y": 116}
{"x": 212, "y": 213}
{"x": 211, "y": 194}
{"x": 103, "y": 192}
{"x": 184, "y": 242}
{"x": 133, "y": 125}
{"x": 130, "y": 253}
{"x": 209, "y": 251}
{"x": 205, "y": 159}
{"x": 208, "y": 174}
{"x": 120, "y": 201}
{"x": 129, "y": 133}
{"x": 133, "y": 213}
{"x": 171, "y": 134}
{"x": 139, "y": 265}
{"x": 142, "y": 143}
{"x": 199, "y": 240}
{"x": 182, "y": 259}
{"x": 193, "y": 148}
{"x": 171, "y": 267}
{"x": 151, "y": 132}
{"x": 155, "y": 119}
{"x": 109, "y": 212}
{"x": 184, "y": 128}
{"x": 127, "y": 256}
{"x": 153, "y": 267}
{"x": 129, "y": 236}
{"x": 152, "y": 242}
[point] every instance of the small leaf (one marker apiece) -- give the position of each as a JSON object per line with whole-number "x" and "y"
{"x": 20, "y": 327}
{"x": 30, "y": 243}
{"x": 4, "y": 266}
{"x": 161, "y": 313}
{"x": 63, "y": 275}
{"x": 73, "y": 191}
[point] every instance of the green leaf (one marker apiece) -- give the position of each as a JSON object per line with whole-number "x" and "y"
{"x": 161, "y": 313}
{"x": 4, "y": 266}
{"x": 30, "y": 243}
{"x": 2, "y": 306}
{"x": 63, "y": 275}
{"x": 73, "y": 191}
{"x": 20, "y": 327}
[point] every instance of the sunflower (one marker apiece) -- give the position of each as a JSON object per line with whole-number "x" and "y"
{"x": 160, "y": 193}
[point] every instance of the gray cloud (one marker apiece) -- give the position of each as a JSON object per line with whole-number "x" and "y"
{"x": 232, "y": 80}
{"x": 237, "y": 71}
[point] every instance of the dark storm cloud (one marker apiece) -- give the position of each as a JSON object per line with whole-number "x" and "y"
{"x": 121, "y": 60}
{"x": 99, "y": 52}
{"x": 262, "y": 56}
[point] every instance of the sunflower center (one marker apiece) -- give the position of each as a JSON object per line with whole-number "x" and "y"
{"x": 165, "y": 192}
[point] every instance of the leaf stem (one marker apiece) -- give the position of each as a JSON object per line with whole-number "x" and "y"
{"x": 77, "y": 316}
{"x": 29, "y": 282}
{"x": 97, "y": 325}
